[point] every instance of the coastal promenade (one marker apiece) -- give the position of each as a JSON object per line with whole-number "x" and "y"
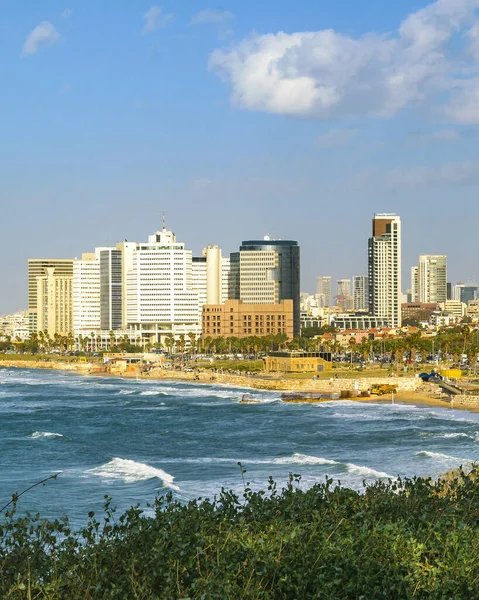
{"x": 410, "y": 389}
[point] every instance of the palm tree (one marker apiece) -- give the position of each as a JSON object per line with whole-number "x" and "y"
{"x": 352, "y": 347}
{"x": 207, "y": 343}
{"x": 169, "y": 342}
{"x": 192, "y": 337}
{"x": 465, "y": 332}
{"x": 182, "y": 343}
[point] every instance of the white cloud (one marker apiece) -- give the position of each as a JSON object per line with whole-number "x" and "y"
{"x": 44, "y": 34}
{"x": 211, "y": 15}
{"x": 66, "y": 13}
{"x": 335, "y": 137}
{"x": 325, "y": 74}
{"x": 155, "y": 19}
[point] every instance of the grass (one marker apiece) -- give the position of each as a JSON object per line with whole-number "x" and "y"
{"x": 232, "y": 365}
{"x": 38, "y": 357}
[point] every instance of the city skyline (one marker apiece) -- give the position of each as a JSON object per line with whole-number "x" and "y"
{"x": 406, "y": 285}
{"x": 116, "y": 114}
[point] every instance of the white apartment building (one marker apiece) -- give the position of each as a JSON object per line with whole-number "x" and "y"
{"x": 432, "y": 278}
{"x": 310, "y": 306}
{"x": 160, "y": 298}
{"x": 86, "y": 292}
{"x": 15, "y": 326}
{"x": 210, "y": 273}
{"x": 384, "y": 263}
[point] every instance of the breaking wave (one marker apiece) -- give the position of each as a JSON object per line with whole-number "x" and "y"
{"x": 130, "y": 471}
{"x": 443, "y": 457}
{"x": 45, "y": 434}
{"x": 304, "y": 459}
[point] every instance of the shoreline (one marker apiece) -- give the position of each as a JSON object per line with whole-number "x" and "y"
{"x": 419, "y": 396}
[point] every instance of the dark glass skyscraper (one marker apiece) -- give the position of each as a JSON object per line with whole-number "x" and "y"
{"x": 267, "y": 272}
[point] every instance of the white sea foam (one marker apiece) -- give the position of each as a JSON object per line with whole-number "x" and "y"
{"x": 45, "y": 434}
{"x": 367, "y": 472}
{"x": 439, "y": 456}
{"x": 130, "y": 471}
{"x": 153, "y": 393}
{"x": 302, "y": 459}
{"x": 126, "y": 392}
{"x": 362, "y": 416}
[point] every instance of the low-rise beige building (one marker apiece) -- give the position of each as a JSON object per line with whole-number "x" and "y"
{"x": 237, "y": 319}
{"x": 298, "y": 362}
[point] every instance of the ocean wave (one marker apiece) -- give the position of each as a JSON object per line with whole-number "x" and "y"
{"x": 443, "y": 457}
{"x": 302, "y": 459}
{"x": 153, "y": 393}
{"x": 359, "y": 415}
{"x": 45, "y": 434}
{"x": 367, "y": 472}
{"x": 125, "y": 392}
{"x": 130, "y": 471}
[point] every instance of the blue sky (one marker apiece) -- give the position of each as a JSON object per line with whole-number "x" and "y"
{"x": 294, "y": 119}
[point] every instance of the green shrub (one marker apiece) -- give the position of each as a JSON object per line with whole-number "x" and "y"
{"x": 410, "y": 538}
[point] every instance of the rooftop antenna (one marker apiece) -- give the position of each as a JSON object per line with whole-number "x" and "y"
{"x": 163, "y": 220}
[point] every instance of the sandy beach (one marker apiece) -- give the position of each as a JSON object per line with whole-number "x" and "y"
{"x": 410, "y": 390}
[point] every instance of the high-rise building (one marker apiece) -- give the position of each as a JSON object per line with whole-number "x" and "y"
{"x": 323, "y": 290}
{"x": 267, "y": 272}
{"x": 86, "y": 294}
{"x": 415, "y": 284}
{"x": 384, "y": 268}
{"x": 465, "y": 292}
{"x": 432, "y": 278}
{"x": 361, "y": 292}
{"x": 54, "y": 303}
{"x": 160, "y": 298}
{"x": 37, "y": 267}
{"x": 449, "y": 290}
{"x": 343, "y": 287}
{"x": 210, "y": 277}
{"x": 111, "y": 289}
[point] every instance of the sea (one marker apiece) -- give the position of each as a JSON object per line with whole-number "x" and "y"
{"x": 135, "y": 439}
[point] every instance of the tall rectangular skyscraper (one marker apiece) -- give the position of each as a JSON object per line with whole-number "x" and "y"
{"x": 323, "y": 290}
{"x": 111, "y": 289}
{"x": 415, "y": 284}
{"x": 360, "y": 292}
{"x": 384, "y": 268}
{"x": 267, "y": 272}
{"x": 432, "y": 278}
{"x": 38, "y": 268}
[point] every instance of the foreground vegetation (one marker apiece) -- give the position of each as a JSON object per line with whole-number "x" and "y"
{"x": 405, "y": 539}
